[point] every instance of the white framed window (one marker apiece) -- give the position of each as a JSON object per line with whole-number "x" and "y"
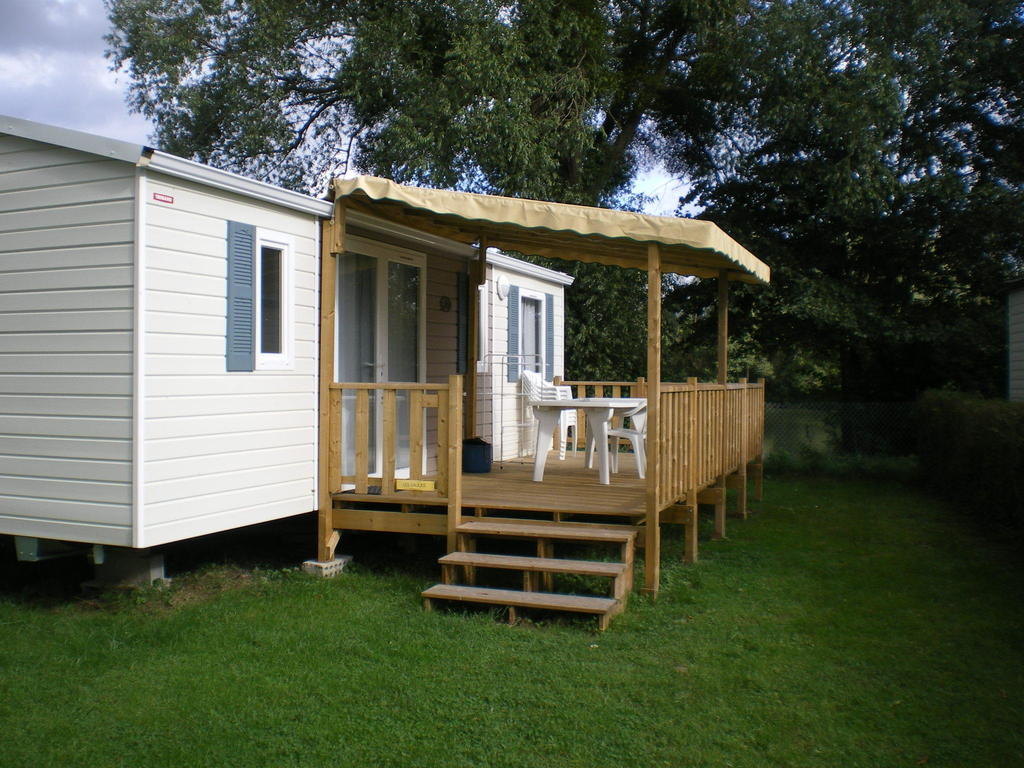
{"x": 274, "y": 293}
{"x": 531, "y": 329}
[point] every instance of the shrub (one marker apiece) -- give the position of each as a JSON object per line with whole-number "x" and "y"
{"x": 808, "y": 461}
{"x": 972, "y": 450}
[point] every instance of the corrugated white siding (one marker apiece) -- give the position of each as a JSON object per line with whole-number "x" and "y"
{"x": 66, "y": 323}
{"x": 221, "y": 450}
{"x": 512, "y": 425}
{"x": 1015, "y": 321}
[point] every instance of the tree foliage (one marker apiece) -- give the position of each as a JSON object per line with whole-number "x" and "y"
{"x": 869, "y": 151}
{"x": 872, "y": 153}
{"x": 550, "y": 99}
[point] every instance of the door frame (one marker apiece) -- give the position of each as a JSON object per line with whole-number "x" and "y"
{"x": 384, "y": 253}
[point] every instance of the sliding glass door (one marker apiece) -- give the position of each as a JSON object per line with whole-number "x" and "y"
{"x": 381, "y": 333}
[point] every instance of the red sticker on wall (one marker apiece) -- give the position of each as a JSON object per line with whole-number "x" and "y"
{"x": 161, "y": 198}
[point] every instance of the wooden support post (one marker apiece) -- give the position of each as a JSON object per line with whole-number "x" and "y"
{"x": 720, "y": 511}
{"x": 692, "y": 441}
{"x": 744, "y": 415}
{"x": 690, "y": 533}
{"x": 652, "y": 527}
{"x": 477, "y": 277}
{"x": 759, "y": 462}
{"x": 332, "y": 243}
{"x": 723, "y": 378}
{"x": 723, "y": 326}
{"x": 454, "y": 426}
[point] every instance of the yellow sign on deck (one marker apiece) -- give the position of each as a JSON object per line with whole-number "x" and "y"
{"x": 415, "y": 485}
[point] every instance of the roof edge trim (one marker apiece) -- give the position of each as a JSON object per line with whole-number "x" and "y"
{"x": 513, "y": 264}
{"x": 90, "y": 143}
{"x": 190, "y": 170}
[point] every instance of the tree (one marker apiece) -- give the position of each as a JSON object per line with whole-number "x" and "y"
{"x": 548, "y": 99}
{"x": 872, "y": 153}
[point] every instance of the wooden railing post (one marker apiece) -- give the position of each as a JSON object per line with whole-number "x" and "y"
{"x": 741, "y": 496}
{"x": 454, "y": 460}
{"x": 652, "y": 532}
{"x": 332, "y": 239}
{"x": 759, "y": 440}
{"x": 723, "y": 470}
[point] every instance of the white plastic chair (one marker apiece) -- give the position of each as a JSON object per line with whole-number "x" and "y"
{"x": 636, "y": 433}
{"x": 535, "y": 388}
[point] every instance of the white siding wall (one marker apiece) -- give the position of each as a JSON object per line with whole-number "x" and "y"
{"x": 1015, "y": 319}
{"x": 66, "y": 277}
{"x": 512, "y": 424}
{"x": 221, "y": 450}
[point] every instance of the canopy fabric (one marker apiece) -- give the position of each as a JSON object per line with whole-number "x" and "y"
{"x": 574, "y": 232}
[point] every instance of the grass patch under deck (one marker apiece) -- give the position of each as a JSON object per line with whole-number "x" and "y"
{"x": 844, "y": 624}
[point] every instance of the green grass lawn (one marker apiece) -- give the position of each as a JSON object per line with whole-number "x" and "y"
{"x": 844, "y": 624}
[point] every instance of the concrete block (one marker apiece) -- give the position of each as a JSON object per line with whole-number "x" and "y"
{"x": 329, "y": 569}
{"x": 130, "y": 567}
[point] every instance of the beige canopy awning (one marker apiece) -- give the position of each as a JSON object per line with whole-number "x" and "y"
{"x": 574, "y": 232}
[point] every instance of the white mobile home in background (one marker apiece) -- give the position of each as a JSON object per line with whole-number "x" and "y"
{"x": 522, "y": 307}
{"x": 123, "y": 418}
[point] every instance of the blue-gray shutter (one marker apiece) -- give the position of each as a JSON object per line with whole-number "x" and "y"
{"x": 462, "y": 340}
{"x": 241, "y": 297}
{"x": 513, "y": 333}
{"x": 549, "y": 337}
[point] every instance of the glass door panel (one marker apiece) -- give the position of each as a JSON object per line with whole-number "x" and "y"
{"x": 380, "y": 321}
{"x": 403, "y": 340}
{"x": 357, "y": 346}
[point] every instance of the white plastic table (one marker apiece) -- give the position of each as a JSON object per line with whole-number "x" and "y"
{"x": 599, "y": 412}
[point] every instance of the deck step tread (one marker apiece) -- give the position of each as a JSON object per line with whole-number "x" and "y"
{"x": 534, "y": 530}
{"x": 540, "y": 564}
{"x": 576, "y": 603}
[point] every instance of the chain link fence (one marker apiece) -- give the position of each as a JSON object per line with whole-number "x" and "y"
{"x": 839, "y": 429}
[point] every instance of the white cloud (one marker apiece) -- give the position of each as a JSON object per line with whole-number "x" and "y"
{"x": 52, "y": 69}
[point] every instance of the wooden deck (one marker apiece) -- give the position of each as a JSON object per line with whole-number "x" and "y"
{"x": 568, "y": 488}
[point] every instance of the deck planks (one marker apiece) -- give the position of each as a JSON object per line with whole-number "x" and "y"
{"x": 568, "y": 488}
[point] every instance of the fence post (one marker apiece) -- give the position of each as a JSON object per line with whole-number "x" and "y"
{"x": 454, "y": 460}
{"x": 741, "y": 496}
{"x": 759, "y": 435}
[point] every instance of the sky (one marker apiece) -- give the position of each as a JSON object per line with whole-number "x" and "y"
{"x": 53, "y": 70}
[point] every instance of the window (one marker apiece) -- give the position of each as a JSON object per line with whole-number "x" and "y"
{"x": 531, "y": 328}
{"x": 273, "y": 302}
{"x": 531, "y": 332}
{"x": 483, "y": 336}
{"x": 260, "y": 330}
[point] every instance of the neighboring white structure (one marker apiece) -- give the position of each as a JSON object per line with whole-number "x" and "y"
{"x": 522, "y": 306}
{"x": 1015, "y": 340}
{"x": 138, "y": 405}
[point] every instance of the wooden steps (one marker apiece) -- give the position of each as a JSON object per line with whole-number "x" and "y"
{"x": 530, "y": 566}
{"x": 603, "y": 607}
{"x": 537, "y": 571}
{"x": 538, "y": 529}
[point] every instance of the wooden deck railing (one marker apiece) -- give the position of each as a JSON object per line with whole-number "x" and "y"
{"x": 429, "y": 418}
{"x": 707, "y": 431}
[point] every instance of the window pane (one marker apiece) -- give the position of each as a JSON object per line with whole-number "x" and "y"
{"x": 270, "y": 300}
{"x": 531, "y": 320}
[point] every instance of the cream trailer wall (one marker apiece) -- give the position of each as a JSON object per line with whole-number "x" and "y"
{"x": 222, "y": 448}
{"x": 124, "y": 420}
{"x": 67, "y": 225}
